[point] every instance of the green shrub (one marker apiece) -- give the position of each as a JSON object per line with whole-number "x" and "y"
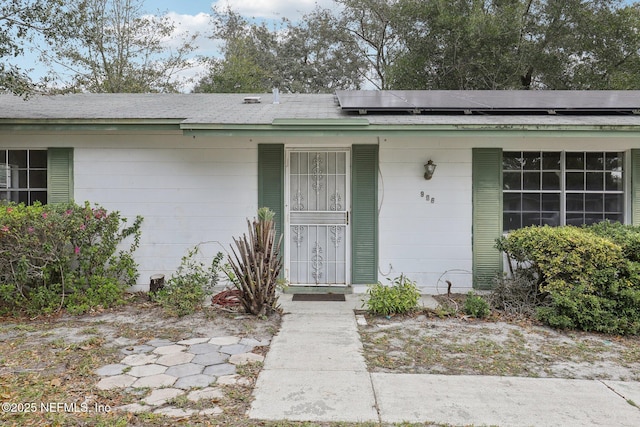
{"x": 476, "y": 306}
{"x": 399, "y": 298}
{"x": 52, "y": 256}
{"x": 626, "y": 236}
{"x": 185, "y": 291}
{"x": 583, "y": 275}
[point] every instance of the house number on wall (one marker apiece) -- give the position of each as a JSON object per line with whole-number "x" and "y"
{"x": 427, "y": 197}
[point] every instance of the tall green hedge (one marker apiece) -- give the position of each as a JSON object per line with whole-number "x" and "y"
{"x": 590, "y": 276}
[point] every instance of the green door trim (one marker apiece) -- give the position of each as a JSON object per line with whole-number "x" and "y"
{"x": 271, "y": 181}
{"x": 364, "y": 214}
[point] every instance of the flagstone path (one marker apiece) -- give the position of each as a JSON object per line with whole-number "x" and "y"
{"x": 192, "y": 368}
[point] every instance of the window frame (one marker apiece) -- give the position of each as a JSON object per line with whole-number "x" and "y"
{"x": 12, "y": 193}
{"x": 563, "y": 191}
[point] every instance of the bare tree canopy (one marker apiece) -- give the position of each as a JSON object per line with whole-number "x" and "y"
{"x": 20, "y": 22}
{"x": 114, "y": 46}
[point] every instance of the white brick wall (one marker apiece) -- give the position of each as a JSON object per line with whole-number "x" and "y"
{"x": 425, "y": 241}
{"x": 188, "y": 192}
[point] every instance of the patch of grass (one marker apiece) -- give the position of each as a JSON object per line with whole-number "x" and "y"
{"x": 180, "y": 401}
{"x": 463, "y": 346}
{"x": 582, "y": 351}
{"x": 249, "y": 370}
{"x": 25, "y": 327}
{"x": 630, "y": 355}
{"x": 90, "y": 331}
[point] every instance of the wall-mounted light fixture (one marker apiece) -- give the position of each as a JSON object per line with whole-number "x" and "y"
{"x": 429, "y": 169}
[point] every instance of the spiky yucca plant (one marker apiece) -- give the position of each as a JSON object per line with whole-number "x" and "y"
{"x": 256, "y": 264}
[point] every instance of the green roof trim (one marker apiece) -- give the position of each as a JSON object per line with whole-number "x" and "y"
{"x": 93, "y": 125}
{"x": 321, "y": 122}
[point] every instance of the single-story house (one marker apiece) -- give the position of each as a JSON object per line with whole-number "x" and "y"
{"x": 366, "y": 185}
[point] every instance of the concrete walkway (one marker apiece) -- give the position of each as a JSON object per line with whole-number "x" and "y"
{"x": 315, "y": 371}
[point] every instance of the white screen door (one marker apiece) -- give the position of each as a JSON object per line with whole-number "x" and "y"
{"x": 318, "y": 203}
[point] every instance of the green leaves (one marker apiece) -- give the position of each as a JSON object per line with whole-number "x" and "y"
{"x": 476, "y": 306}
{"x": 316, "y": 55}
{"x": 399, "y": 298}
{"x": 114, "y": 46}
{"x": 185, "y": 291}
{"x": 50, "y": 252}
{"x": 520, "y": 44}
{"x": 589, "y": 274}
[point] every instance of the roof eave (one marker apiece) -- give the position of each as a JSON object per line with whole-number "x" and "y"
{"x": 61, "y": 125}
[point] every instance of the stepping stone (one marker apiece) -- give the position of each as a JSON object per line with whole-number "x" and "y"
{"x": 170, "y": 349}
{"x": 147, "y": 370}
{"x": 160, "y": 342}
{"x": 209, "y": 393}
{"x": 361, "y": 320}
{"x": 139, "y": 359}
{"x": 175, "y": 359}
{"x": 254, "y": 342}
{"x": 114, "y": 369}
{"x": 175, "y": 412}
{"x": 228, "y": 340}
{"x": 203, "y": 348}
{"x": 244, "y": 358}
{"x": 233, "y": 380}
{"x": 194, "y": 381}
{"x": 184, "y": 370}
{"x": 235, "y": 349}
{"x": 220, "y": 369}
{"x": 118, "y": 381}
{"x": 161, "y": 396}
{"x": 192, "y": 341}
{"x": 137, "y": 349}
{"x": 135, "y": 408}
{"x": 154, "y": 381}
{"x": 210, "y": 359}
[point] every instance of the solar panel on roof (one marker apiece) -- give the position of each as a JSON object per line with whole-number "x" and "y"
{"x": 489, "y": 101}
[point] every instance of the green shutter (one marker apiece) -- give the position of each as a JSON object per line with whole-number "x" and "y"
{"x": 364, "y": 214}
{"x": 635, "y": 186}
{"x": 59, "y": 175}
{"x": 487, "y": 215}
{"x": 271, "y": 181}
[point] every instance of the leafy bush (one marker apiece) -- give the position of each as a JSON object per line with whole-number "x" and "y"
{"x": 256, "y": 265}
{"x": 583, "y": 274}
{"x": 62, "y": 256}
{"x": 185, "y": 291}
{"x": 476, "y": 306}
{"x": 399, "y": 298}
{"x": 626, "y": 236}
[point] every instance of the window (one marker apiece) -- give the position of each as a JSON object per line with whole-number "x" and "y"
{"x": 23, "y": 176}
{"x": 561, "y": 188}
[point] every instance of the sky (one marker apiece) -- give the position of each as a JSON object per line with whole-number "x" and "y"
{"x": 251, "y": 8}
{"x": 194, "y": 16}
